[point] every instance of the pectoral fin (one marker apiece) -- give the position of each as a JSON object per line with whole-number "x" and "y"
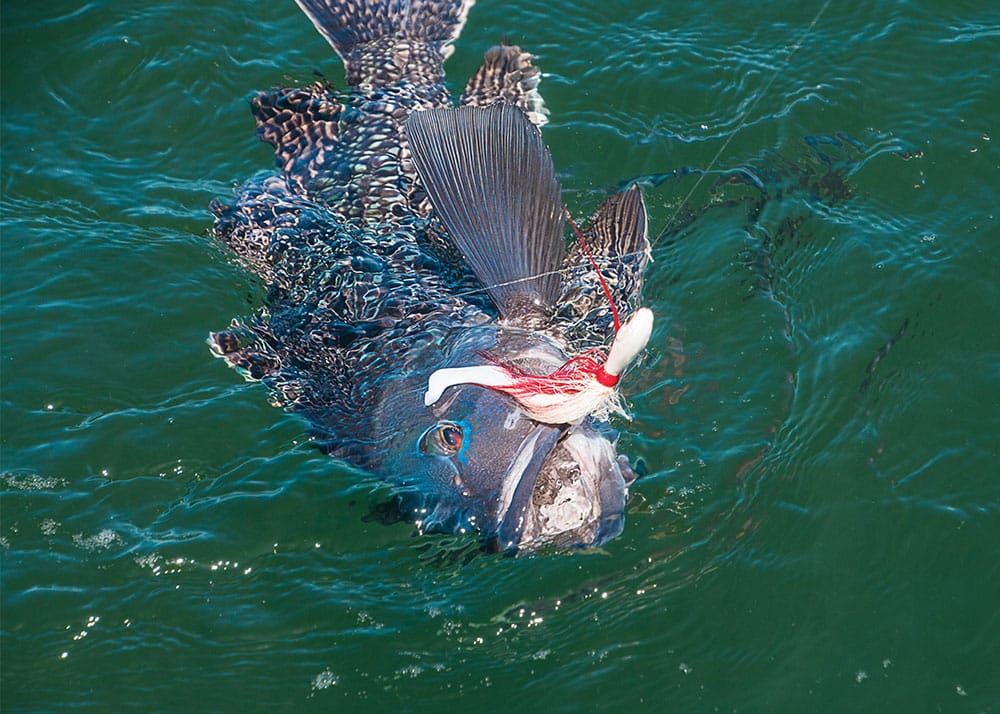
{"x": 491, "y": 182}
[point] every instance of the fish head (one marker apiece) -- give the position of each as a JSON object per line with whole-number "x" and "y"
{"x": 462, "y": 464}
{"x": 476, "y": 462}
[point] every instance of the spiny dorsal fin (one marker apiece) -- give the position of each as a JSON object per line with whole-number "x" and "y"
{"x": 492, "y": 183}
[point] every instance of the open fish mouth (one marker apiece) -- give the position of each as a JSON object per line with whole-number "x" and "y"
{"x": 565, "y": 487}
{"x": 519, "y": 483}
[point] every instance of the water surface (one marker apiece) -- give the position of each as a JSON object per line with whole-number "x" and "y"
{"x": 818, "y": 526}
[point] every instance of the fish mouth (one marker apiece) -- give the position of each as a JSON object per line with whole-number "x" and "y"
{"x": 519, "y": 483}
{"x": 580, "y": 496}
{"x": 566, "y": 487}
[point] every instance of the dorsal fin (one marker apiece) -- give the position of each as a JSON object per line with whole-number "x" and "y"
{"x": 301, "y": 123}
{"x": 492, "y": 183}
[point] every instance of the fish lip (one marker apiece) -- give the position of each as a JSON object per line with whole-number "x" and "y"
{"x": 519, "y": 483}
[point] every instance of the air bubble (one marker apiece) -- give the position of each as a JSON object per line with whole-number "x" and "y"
{"x": 325, "y": 679}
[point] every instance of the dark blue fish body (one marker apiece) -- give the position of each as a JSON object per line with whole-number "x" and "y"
{"x": 402, "y": 236}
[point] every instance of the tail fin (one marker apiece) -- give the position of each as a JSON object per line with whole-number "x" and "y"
{"x": 492, "y": 183}
{"x": 366, "y": 33}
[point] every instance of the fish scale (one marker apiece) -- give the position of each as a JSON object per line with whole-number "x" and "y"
{"x": 369, "y": 292}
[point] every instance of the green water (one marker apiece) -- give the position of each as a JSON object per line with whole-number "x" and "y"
{"x": 818, "y": 526}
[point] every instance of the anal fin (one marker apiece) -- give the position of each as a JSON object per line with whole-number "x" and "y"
{"x": 507, "y": 75}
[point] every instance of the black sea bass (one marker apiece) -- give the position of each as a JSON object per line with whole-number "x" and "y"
{"x": 423, "y": 311}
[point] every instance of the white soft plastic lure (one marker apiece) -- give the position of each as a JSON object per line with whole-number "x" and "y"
{"x": 582, "y": 387}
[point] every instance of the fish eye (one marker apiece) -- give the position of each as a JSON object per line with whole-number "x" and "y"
{"x": 450, "y": 435}
{"x": 443, "y": 439}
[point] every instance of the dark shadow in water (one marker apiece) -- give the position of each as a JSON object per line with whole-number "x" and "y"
{"x": 780, "y": 196}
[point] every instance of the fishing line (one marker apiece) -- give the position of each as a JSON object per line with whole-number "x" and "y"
{"x": 796, "y": 46}
{"x": 593, "y": 263}
{"x": 559, "y": 271}
{"x": 743, "y": 120}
